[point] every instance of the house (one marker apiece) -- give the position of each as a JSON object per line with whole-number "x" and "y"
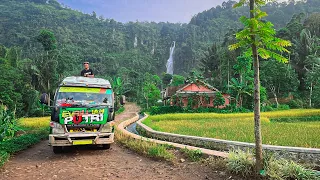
{"x": 195, "y": 94}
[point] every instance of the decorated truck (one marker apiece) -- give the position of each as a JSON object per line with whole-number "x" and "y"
{"x": 82, "y": 113}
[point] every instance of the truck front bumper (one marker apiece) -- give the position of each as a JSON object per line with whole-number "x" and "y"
{"x": 70, "y": 139}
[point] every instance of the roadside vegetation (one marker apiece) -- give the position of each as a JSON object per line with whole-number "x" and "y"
{"x": 242, "y": 163}
{"x": 149, "y": 149}
{"x": 120, "y": 110}
{"x": 19, "y": 134}
{"x": 284, "y": 128}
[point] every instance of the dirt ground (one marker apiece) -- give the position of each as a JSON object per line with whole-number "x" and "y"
{"x": 83, "y": 162}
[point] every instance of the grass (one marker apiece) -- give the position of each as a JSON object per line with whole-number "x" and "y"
{"x": 240, "y": 126}
{"x": 242, "y": 163}
{"x": 193, "y": 155}
{"x": 149, "y": 149}
{"x": 34, "y": 130}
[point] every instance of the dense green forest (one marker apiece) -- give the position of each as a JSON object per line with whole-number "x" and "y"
{"x": 42, "y": 42}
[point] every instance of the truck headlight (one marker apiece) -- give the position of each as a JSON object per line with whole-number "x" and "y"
{"x": 56, "y": 128}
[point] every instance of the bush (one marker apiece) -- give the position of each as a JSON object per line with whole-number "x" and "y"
{"x": 295, "y": 104}
{"x": 240, "y": 162}
{"x": 150, "y": 149}
{"x": 22, "y": 142}
{"x": 267, "y": 108}
{"x": 193, "y": 155}
{"x": 296, "y": 119}
{"x": 284, "y": 169}
{"x": 159, "y": 151}
{"x": 165, "y": 109}
{"x": 8, "y": 124}
{"x": 275, "y": 108}
{"x": 19, "y": 143}
{"x": 155, "y": 110}
{"x": 283, "y": 107}
{"x": 4, "y": 156}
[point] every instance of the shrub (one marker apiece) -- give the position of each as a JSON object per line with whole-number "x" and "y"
{"x": 296, "y": 119}
{"x": 165, "y": 109}
{"x": 159, "y": 151}
{"x": 296, "y": 103}
{"x": 283, "y": 107}
{"x": 8, "y": 125}
{"x": 155, "y": 110}
{"x": 193, "y": 155}
{"x": 19, "y": 143}
{"x": 240, "y": 162}
{"x": 150, "y": 149}
{"x": 4, "y": 156}
{"x": 284, "y": 169}
{"x": 267, "y": 108}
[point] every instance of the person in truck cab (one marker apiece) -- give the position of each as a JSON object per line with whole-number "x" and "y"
{"x": 87, "y": 72}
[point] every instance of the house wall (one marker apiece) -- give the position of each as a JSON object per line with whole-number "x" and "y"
{"x": 205, "y": 103}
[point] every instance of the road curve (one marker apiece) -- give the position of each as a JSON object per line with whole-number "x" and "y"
{"x": 82, "y": 163}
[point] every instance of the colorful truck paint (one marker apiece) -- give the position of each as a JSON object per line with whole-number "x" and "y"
{"x": 69, "y": 116}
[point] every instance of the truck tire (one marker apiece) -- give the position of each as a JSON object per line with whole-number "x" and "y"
{"x": 106, "y": 146}
{"x": 57, "y": 149}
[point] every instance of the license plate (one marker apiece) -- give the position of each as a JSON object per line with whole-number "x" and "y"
{"x": 81, "y": 142}
{"x": 81, "y": 130}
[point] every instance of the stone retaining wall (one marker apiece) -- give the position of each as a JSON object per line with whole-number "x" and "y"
{"x": 305, "y": 155}
{"x": 208, "y": 152}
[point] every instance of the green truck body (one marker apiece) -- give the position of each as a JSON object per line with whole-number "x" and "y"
{"x": 82, "y": 114}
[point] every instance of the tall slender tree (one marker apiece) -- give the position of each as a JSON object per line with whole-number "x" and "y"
{"x": 258, "y": 40}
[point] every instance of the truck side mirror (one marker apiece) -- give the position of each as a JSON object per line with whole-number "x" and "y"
{"x": 44, "y": 99}
{"x": 122, "y": 100}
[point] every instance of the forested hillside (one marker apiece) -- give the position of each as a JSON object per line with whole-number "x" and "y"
{"x": 130, "y": 50}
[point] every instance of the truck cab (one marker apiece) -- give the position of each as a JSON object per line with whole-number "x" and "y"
{"x": 82, "y": 114}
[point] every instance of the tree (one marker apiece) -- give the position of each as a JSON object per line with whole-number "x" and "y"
{"x": 240, "y": 89}
{"x": 210, "y": 62}
{"x": 313, "y": 78}
{"x": 47, "y": 39}
{"x": 257, "y": 39}
{"x": 177, "y": 80}
{"x": 281, "y": 81}
{"x": 13, "y": 56}
{"x": 47, "y": 66}
{"x": 218, "y": 100}
{"x": 166, "y": 79}
{"x": 150, "y": 90}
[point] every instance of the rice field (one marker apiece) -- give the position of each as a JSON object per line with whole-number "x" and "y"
{"x": 240, "y": 126}
{"x": 34, "y": 123}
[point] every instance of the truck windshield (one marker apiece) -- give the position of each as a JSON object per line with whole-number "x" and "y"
{"x": 88, "y": 96}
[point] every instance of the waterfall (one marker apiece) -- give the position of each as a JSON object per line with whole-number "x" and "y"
{"x": 135, "y": 43}
{"x": 170, "y": 60}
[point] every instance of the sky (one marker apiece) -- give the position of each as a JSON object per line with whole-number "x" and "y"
{"x": 143, "y": 10}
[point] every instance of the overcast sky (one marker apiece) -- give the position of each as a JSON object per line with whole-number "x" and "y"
{"x": 144, "y": 10}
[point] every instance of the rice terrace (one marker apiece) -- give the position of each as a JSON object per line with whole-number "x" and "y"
{"x": 297, "y": 127}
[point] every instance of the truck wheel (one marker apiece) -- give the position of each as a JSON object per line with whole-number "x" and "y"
{"x": 106, "y": 146}
{"x": 57, "y": 149}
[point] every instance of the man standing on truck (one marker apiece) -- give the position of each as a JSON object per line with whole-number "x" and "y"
{"x": 87, "y": 72}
